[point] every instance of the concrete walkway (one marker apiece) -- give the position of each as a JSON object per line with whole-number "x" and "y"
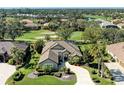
{"x": 5, "y": 72}
{"x": 117, "y": 72}
{"x": 83, "y": 76}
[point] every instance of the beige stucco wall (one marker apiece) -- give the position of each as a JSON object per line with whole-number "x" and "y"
{"x": 49, "y": 62}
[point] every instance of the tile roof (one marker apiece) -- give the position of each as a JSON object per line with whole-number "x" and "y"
{"x": 48, "y": 52}
{"x": 6, "y": 46}
{"x": 117, "y": 50}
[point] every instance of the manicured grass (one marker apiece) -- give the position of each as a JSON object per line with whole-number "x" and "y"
{"x": 45, "y": 80}
{"x": 97, "y": 16}
{"x": 37, "y": 34}
{"x": 42, "y": 80}
{"x": 103, "y": 81}
{"x": 33, "y": 35}
{"x": 76, "y": 35}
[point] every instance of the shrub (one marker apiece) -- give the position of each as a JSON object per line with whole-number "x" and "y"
{"x": 41, "y": 73}
{"x": 63, "y": 69}
{"x": 58, "y": 74}
{"x": 106, "y": 59}
{"x": 12, "y": 62}
{"x": 96, "y": 80}
{"x": 68, "y": 71}
{"x": 19, "y": 66}
{"x": 111, "y": 77}
{"x": 47, "y": 69}
{"x": 18, "y": 76}
{"x": 52, "y": 73}
{"x": 75, "y": 60}
{"x": 47, "y": 37}
{"x": 39, "y": 69}
{"x": 93, "y": 72}
{"x": 113, "y": 60}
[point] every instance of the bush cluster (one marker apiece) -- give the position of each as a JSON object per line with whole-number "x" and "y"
{"x": 96, "y": 80}
{"x": 58, "y": 74}
{"x": 18, "y": 76}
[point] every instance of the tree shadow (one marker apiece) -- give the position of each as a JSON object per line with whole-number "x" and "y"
{"x": 94, "y": 65}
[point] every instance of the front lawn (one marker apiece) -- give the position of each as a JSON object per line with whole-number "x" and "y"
{"x": 41, "y": 80}
{"x": 44, "y": 80}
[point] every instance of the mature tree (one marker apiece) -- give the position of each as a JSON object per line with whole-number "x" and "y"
{"x": 39, "y": 45}
{"x": 92, "y": 34}
{"x": 17, "y": 55}
{"x": 64, "y": 33}
{"x": 3, "y": 26}
{"x": 14, "y": 30}
{"x": 112, "y": 35}
{"x": 87, "y": 57}
{"x": 98, "y": 51}
{"x": 53, "y": 26}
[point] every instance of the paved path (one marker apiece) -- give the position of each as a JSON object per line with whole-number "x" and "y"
{"x": 117, "y": 72}
{"x": 5, "y": 72}
{"x": 83, "y": 76}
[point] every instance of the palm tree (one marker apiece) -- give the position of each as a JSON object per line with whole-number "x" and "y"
{"x": 98, "y": 52}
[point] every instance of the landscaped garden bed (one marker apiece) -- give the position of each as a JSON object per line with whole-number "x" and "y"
{"x": 27, "y": 75}
{"x": 97, "y": 79}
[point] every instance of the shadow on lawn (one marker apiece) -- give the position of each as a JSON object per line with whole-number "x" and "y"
{"x": 94, "y": 65}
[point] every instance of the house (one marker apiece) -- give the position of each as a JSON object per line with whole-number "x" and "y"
{"x": 32, "y": 26}
{"x": 26, "y": 21}
{"x": 57, "y": 52}
{"x": 6, "y": 46}
{"x": 117, "y": 52}
{"x": 29, "y": 25}
{"x": 106, "y": 24}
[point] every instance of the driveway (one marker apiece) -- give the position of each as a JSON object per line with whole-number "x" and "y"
{"x": 5, "y": 72}
{"x": 117, "y": 72}
{"x": 83, "y": 76}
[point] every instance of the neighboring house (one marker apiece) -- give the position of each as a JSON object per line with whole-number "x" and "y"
{"x": 6, "y": 46}
{"x": 117, "y": 52}
{"x": 106, "y": 24}
{"x": 56, "y": 52}
{"x": 29, "y": 25}
{"x": 32, "y": 26}
{"x": 26, "y": 21}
